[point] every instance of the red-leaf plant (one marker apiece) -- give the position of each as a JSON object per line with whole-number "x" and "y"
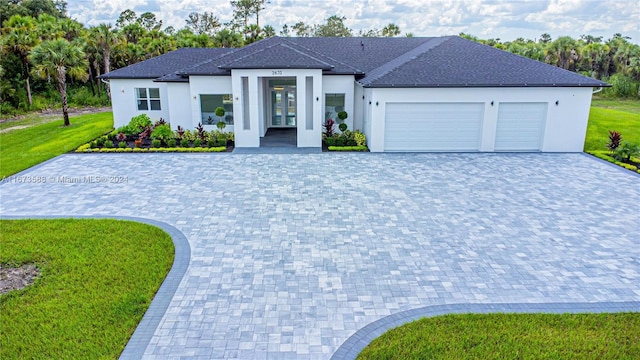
{"x": 121, "y": 137}
{"x": 328, "y": 127}
{"x": 614, "y": 140}
{"x": 180, "y": 132}
{"x": 201, "y": 133}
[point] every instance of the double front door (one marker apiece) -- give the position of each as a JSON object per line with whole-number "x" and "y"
{"x": 283, "y": 106}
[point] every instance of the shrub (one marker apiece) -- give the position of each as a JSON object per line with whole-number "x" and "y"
{"x": 328, "y": 128}
{"x": 360, "y": 138}
{"x": 126, "y": 129}
{"x": 221, "y": 125}
{"x": 614, "y": 140}
{"x": 139, "y": 123}
{"x": 621, "y": 86}
{"x": 330, "y": 141}
{"x": 219, "y": 111}
{"x": 342, "y": 115}
{"x": 162, "y": 133}
{"x": 626, "y": 151}
{"x": 189, "y": 135}
{"x": 185, "y": 143}
{"x": 100, "y": 141}
{"x": 112, "y": 135}
{"x": 341, "y": 141}
{"x": 122, "y": 144}
{"x": 93, "y": 144}
{"x": 197, "y": 143}
{"x": 156, "y": 143}
{"x": 108, "y": 144}
{"x": 342, "y": 127}
{"x": 171, "y": 143}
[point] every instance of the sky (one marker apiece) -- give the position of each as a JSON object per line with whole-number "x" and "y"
{"x": 503, "y": 19}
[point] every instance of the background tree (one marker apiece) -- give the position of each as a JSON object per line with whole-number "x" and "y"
{"x": 20, "y": 37}
{"x": 227, "y": 39}
{"x": 126, "y": 17}
{"x": 203, "y": 23}
{"x": 149, "y": 22}
{"x": 302, "y": 30}
{"x": 334, "y": 27}
{"x": 56, "y": 59}
{"x": 391, "y": 30}
{"x": 106, "y": 38}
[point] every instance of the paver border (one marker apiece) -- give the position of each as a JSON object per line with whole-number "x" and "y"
{"x": 141, "y": 337}
{"x": 610, "y": 164}
{"x": 361, "y": 338}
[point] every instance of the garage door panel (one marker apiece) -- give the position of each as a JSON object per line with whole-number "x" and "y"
{"x": 433, "y": 126}
{"x": 520, "y": 126}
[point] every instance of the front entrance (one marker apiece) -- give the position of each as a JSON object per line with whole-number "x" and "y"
{"x": 283, "y": 104}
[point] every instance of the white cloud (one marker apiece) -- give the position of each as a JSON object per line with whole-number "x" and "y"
{"x": 505, "y": 19}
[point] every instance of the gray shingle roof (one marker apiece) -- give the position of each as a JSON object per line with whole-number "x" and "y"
{"x": 459, "y": 62}
{"x": 376, "y": 62}
{"x": 166, "y": 64}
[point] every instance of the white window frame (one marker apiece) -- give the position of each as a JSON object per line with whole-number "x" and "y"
{"x": 147, "y": 99}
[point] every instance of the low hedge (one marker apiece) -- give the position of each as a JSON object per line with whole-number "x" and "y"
{"x": 87, "y": 149}
{"x": 605, "y": 155}
{"x": 348, "y": 148}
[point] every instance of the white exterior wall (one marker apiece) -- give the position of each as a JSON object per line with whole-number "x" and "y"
{"x": 340, "y": 84}
{"x": 251, "y": 137}
{"x": 367, "y": 116}
{"x": 565, "y": 128}
{"x": 124, "y": 103}
{"x": 358, "y": 107}
{"x": 179, "y": 105}
{"x": 209, "y": 85}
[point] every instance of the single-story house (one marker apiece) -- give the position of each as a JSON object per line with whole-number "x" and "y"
{"x": 405, "y": 94}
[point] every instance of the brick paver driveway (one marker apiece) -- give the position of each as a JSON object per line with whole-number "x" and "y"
{"x": 292, "y": 254}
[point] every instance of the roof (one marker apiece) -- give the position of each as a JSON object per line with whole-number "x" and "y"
{"x": 448, "y": 61}
{"x": 166, "y": 64}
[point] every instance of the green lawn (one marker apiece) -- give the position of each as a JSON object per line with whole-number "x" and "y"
{"x": 97, "y": 279}
{"x": 512, "y": 336}
{"x": 628, "y": 105}
{"x": 23, "y": 148}
{"x": 619, "y": 115}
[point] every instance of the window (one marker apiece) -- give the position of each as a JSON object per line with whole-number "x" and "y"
{"x": 333, "y": 104}
{"x": 209, "y": 104}
{"x": 148, "y": 99}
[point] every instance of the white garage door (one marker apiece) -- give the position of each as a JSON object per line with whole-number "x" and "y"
{"x": 433, "y": 126}
{"x": 520, "y": 126}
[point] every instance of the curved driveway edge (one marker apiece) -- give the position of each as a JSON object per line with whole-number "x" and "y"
{"x": 358, "y": 341}
{"x": 144, "y": 331}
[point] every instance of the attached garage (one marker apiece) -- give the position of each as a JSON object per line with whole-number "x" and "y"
{"x": 433, "y": 126}
{"x": 520, "y": 126}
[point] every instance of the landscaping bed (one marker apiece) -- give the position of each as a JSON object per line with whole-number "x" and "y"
{"x": 346, "y": 140}
{"x": 141, "y": 136}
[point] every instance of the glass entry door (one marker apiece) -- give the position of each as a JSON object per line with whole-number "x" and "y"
{"x": 283, "y": 106}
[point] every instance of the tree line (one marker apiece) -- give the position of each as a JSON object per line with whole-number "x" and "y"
{"x": 42, "y": 49}
{"x": 615, "y": 60}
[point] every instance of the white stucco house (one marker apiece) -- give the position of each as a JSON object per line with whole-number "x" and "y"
{"x": 405, "y": 94}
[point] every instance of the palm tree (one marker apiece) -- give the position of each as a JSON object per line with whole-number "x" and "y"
{"x": 59, "y": 58}
{"x": 20, "y": 37}
{"x": 106, "y": 38}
